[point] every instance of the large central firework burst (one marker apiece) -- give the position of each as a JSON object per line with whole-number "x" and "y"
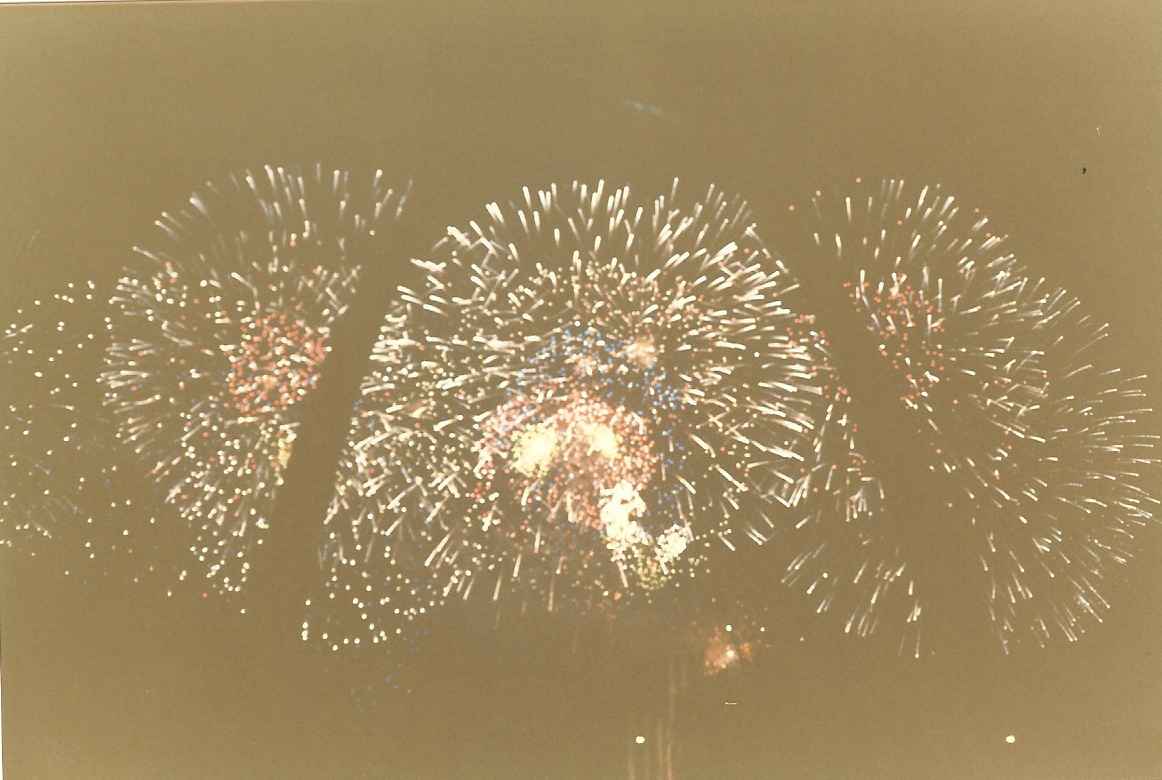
{"x": 587, "y": 397}
{"x": 219, "y": 332}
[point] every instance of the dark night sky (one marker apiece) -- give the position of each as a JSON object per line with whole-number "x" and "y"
{"x": 1047, "y": 115}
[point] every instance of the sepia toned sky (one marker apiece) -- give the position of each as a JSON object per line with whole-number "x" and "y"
{"x": 1046, "y": 115}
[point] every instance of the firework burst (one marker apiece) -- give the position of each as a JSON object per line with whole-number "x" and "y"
{"x": 218, "y": 333}
{"x": 975, "y": 358}
{"x": 1059, "y": 513}
{"x": 588, "y": 396}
